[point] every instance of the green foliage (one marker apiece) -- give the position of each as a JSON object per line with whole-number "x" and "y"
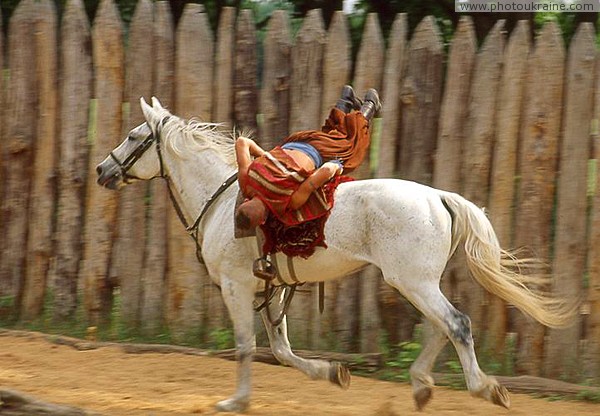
{"x": 401, "y": 362}
{"x": 589, "y": 396}
{"x": 221, "y": 339}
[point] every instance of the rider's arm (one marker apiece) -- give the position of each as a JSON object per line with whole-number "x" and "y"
{"x": 317, "y": 179}
{"x": 245, "y": 150}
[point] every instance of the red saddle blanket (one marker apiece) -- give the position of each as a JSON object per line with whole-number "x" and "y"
{"x": 300, "y": 239}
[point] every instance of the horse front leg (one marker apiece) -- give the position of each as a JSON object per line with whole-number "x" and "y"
{"x": 238, "y": 299}
{"x": 335, "y": 372}
{"x": 420, "y": 370}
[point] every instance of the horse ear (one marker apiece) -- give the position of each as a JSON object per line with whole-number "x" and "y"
{"x": 156, "y": 104}
{"x": 146, "y": 109}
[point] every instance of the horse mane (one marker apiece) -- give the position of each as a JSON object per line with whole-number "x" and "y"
{"x": 185, "y": 137}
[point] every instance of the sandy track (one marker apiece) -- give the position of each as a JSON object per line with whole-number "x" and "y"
{"x": 111, "y": 382}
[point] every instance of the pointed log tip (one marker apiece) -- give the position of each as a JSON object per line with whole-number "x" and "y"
{"x": 313, "y": 20}
{"x": 465, "y": 27}
{"x": 551, "y": 36}
{"x": 585, "y": 33}
{"x": 312, "y": 26}
{"x": 373, "y": 19}
{"x": 550, "y": 27}
{"x": 107, "y": 12}
{"x": 427, "y": 35}
{"x": 426, "y": 23}
{"x": 247, "y": 14}
{"x": 143, "y": 11}
{"x": 191, "y": 8}
{"x": 72, "y": 6}
{"x": 465, "y": 20}
{"x": 162, "y": 6}
{"x": 522, "y": 25}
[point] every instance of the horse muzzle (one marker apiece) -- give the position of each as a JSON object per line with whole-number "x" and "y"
{"x": 109, "y": 175}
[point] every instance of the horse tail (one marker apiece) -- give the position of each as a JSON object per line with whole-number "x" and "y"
{"x": 498, "y": 270}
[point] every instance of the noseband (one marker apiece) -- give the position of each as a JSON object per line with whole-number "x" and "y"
{"x": 132, "y": 159}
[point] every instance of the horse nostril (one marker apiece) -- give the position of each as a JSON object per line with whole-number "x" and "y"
{"x": 99, "y": 170}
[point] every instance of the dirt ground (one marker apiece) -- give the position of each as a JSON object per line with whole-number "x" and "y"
{"x": 112, "y": 382}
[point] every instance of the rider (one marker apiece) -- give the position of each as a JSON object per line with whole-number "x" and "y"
{"x": 285, "y": 178}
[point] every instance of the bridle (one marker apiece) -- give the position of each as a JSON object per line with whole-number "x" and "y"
{"x": 136, "y": 155}
{"x": 132, "y": 159}
{"x": 193, "y": 229}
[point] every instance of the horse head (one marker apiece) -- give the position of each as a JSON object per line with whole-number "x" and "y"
{"x": 131, "y": 160}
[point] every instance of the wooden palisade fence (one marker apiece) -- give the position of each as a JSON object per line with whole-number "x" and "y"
{"x": 512, "y": 125}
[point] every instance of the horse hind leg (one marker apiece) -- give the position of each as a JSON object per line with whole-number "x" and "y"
{"x": 335, "y": 372}
{"x": 426, "y": 296}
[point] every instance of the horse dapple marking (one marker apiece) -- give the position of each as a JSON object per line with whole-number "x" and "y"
{"x": 406, "y": 229}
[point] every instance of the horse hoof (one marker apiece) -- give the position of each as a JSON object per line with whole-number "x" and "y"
{"x": 495, "y": 393}
{"x": 340, "y": 374}
{"x": 232, "y": 405}
{"x": 422, "y": 397}
{"x": 500, "y": 396}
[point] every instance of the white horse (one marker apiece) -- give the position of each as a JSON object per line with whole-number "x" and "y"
{"x": 406, "y": 229}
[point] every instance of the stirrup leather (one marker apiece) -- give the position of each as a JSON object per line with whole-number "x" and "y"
{"x": 263, "y": 269}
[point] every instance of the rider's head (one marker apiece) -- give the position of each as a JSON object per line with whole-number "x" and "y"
{"x": 250, "y": 214}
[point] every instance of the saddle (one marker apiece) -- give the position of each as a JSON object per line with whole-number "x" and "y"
{"x": 292, "y": 240}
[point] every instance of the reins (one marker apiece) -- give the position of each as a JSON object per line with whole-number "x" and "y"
{"x": 193, "y": 229}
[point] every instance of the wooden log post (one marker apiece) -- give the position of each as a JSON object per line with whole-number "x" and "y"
{"x": 477, "y": 157}
{"x": 504, "y": 165}
{"x": 18, "y": 149}
{"x": 454, "y": 109}
{"x": 155, "y": 263}
{"x": 245, "y": 79}
{"x": 42, "y": 193}
{"x": 131, "y": 240}
{"x": 453, "y": 131}
{"x": 593, "y": 260}
{"x": 421, "y": 98}
{"x": 187, "y": 279}
{"x": 305, "y": 114}
{"x": 369, "y": 74}
{"x": 1, "y": 121}
{"x": 571, "y": 219}
{"x": 538, "y": 169}
{"x": 391, "y": 303}
{"x": 224, "y": 65}
{"x": 307, "y": 73}
{"x": 108, "y": 60}
{"x": 393, "y": 72}
{"x": 75, "y": 94}
{"x": 337, "y": 62}
{"x": 276, "y": 82}
{"x": 2, "y": 127}
{"x": 336, "y": 73}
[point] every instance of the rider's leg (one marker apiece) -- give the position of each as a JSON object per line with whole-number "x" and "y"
{"x": 371, "y": 104}
{"x": 348, "y": 100}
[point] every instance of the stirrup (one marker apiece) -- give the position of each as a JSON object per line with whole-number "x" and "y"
{"x": 264, "y": 269}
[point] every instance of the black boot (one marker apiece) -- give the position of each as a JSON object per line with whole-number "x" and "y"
{"x": 371, "y": 104}
{"x": 348, "y": 101}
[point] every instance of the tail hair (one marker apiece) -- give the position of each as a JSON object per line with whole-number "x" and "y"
{"x": 500, "y": 271}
